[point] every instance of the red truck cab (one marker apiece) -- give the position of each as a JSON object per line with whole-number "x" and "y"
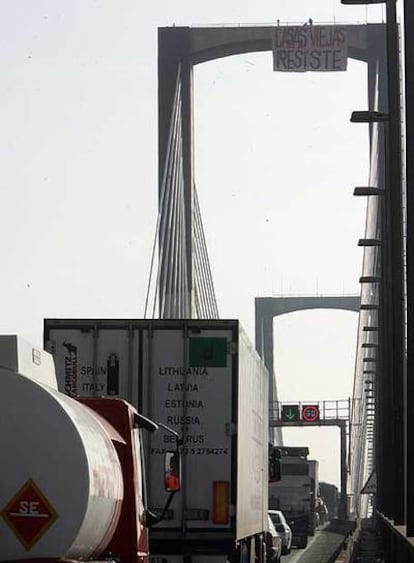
{"x": 130, "y": 542}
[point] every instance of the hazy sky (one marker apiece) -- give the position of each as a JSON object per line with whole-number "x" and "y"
{"x": 276, "y": 163}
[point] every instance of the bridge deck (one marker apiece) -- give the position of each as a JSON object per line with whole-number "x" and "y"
{"x": 328, "y": 543}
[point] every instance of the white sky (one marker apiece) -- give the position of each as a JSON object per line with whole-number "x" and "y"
{"x": 276, "y": 163}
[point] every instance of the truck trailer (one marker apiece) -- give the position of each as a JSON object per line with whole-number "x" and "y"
{"x": 72, "y": 473}
{"x": 330, "y": 496}
{"x": 316, "y": 508}
{"x": 204, "y": 379}
{"x": 293, "y": 491}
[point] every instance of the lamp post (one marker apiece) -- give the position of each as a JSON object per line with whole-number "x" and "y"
{"x": 360, "y": 2}
{"x": 409, "y": 154}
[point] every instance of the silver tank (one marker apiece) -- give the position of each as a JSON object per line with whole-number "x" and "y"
{"x": 61, "y": 485}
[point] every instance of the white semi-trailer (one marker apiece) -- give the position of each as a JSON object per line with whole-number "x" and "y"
{"x": 205, "y": 380}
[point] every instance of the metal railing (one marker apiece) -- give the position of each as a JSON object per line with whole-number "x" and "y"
{"x": 395, "y": 544}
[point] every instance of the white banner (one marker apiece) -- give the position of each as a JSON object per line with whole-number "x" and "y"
{"x": 310, "y": 48}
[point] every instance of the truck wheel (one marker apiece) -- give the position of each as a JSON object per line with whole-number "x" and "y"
{"x": 302, "y": 542}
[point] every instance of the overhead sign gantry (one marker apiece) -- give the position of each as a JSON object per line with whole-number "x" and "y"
{"x": 317, "y": 413}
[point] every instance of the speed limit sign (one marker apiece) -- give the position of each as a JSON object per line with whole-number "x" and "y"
{"x": 310, "y": 413}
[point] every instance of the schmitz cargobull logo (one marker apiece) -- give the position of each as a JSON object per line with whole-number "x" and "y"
{"x": 71, "y": 369}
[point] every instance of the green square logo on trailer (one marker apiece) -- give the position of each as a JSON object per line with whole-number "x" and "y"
{"x": 290, "y": 413}
{"x": 208, "y": 352}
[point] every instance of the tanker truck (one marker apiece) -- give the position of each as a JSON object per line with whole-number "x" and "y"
{"x": 204, "y": 379}
{"x": 72, "y": 474}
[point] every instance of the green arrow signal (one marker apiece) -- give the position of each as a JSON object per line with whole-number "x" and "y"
{"x": 290, "y": 413}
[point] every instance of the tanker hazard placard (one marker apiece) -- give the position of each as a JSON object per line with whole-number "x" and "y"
{"x": 29, "y": 514}
{"x": 310, "y": 48}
